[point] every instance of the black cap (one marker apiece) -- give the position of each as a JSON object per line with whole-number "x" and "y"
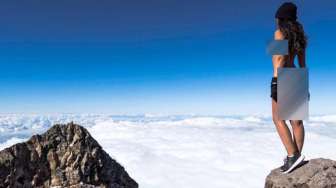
{"x": 287, "y": 11}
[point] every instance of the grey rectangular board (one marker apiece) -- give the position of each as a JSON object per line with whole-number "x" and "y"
{"x": 277, "y": 47}
{"x": 293, "y": 93}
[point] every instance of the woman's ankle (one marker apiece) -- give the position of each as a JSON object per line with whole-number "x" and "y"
{"x": 294, "y": 153}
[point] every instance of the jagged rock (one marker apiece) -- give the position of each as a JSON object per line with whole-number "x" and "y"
{"x": 315, "y": 173}
{"x": 64, "y": 156}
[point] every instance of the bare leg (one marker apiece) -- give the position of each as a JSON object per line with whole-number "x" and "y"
{"x": 298, "y": 133}
{"x": 283, "y": 131}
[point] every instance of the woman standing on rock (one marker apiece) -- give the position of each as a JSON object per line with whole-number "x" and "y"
{"x": 288, "y": 28}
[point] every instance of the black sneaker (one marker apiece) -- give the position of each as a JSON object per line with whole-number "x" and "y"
{"x": 283, "y": 167}
{"x": 292, "y": 162}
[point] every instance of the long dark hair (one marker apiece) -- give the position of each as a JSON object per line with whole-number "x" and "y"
{"x": 294, "y": 33}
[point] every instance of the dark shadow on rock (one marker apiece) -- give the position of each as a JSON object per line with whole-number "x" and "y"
{"x": 300, "y": 165}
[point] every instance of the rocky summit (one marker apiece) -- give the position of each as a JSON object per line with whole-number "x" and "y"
{"x": 64, "y": 156}
{"x": 315, "y": 173}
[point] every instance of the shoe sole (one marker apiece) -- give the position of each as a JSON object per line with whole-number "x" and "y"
{"x": 297, "y": 162}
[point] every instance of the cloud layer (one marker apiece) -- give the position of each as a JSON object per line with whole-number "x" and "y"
{"x": 185, "y": 151}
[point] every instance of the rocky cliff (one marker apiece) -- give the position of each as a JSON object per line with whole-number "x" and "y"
{"x": 315, "y": 173}
{"x": 64, "y": 156}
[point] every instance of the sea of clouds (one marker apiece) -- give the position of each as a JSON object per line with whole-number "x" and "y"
{"x": 189, "y": 151}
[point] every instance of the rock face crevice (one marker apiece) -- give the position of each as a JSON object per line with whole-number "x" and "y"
{"x": 64, "y": 156}
{"x": 315, "y": 173}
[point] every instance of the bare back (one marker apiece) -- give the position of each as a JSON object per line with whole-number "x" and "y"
{"x": 286, "y": 60}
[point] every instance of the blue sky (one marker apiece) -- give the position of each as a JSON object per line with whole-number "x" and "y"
{"x": 170, "y": 57}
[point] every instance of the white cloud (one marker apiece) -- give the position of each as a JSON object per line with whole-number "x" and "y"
{"x": 185, "y": 151}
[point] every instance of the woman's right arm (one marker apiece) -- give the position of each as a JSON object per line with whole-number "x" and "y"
{"x": 302, "y": 59}
{"x": 302, "y": 64}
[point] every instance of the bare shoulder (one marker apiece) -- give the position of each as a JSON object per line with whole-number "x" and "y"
{"x": 278, "y": 35}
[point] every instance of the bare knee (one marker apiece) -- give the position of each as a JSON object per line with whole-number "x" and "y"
{"x": 275, "y": 120}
